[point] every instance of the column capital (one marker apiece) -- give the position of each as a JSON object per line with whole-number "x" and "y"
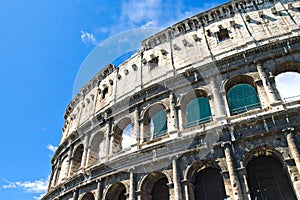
{"x": 226, "y": 144}
{"x": 288, "y": 130}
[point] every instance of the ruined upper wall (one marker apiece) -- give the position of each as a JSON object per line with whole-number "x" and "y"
{"x": 219, "y": 33}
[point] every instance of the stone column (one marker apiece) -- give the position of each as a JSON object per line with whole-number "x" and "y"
{"x": 107, "y": 141}
{"x": 75, "y": 194}
{"x": 246, "y": 192}
{"x": 131, "y": 186}
{"x": 295, "y": 155}
{"x": 292, "y": 146}
{"x": 266, "y": 83}
{"x": 70, "y": 154}
{"x": 188, "y": 190}
{"x": 173, "y": 115}
{"x": 176, "y": 181}
{"x": 88, "y": 154}
{"x": 99, "y": 189}
{"x": 236, "y": 189}
{"x": 85, "y": 152}
{"x": 139, "y": 195}
{"x": 171, "y": 191}
{"x": 136, "y": 125}
{"x": 219, "y": 106}
{"x": 180, "y": 119}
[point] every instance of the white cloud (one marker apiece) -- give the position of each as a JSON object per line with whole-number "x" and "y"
{"x": 136, "y": 11}
{"x": 37, "y": 186}
{"x": 88, "y": 38}
{"x": 156, "y": 13}
{"x": 51, "y": 148}
{"x": 149, "y": 24}
{"x": 147, "y": 14}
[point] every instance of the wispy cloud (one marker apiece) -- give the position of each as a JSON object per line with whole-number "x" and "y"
{"x": 146, "y": 14}
{"x": 136, "y": 11}
{"x": 37, "y": 186}
{"x": 88, "y": 38}
{"x": 51, "y": 148}
{"x": 156, "y": 13}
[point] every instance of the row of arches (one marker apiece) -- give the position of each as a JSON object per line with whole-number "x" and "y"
{"x": 242, "y": 93}
{"x": 267, "y": 178}
{"x": 196, "y": 108}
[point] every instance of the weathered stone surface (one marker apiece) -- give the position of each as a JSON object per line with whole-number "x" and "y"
{"x": 240, "y": 42}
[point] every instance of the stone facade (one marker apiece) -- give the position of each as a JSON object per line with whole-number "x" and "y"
{"x": 233, "y": 155}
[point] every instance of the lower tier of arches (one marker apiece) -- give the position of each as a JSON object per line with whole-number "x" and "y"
{"x": 263, "y": 172}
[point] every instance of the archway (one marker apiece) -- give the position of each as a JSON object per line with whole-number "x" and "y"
{"x": 155, "y": 186}
{"x": 122, "y": 135}
{"x": 95, "y": 148}
{"x": 198, "y": 111}
{"x": 209, "y": 185}
{"x": 77, "y": 158}
{"x": 195, "y": 108}
{"x": 116, "y": 191}
{"x": 88, "y": 196}
{"x": 155, "y": 122}
{"x": 241, "y": 98}
{"x": 268, "y": 180}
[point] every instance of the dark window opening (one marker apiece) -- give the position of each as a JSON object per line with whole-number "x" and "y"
{"x": 153, "y": 63}
{"x": 104, "y": 92}
{"x": 223, "y": 34}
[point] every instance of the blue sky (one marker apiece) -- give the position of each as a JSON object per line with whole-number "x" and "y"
{"x": 42, "y": 46}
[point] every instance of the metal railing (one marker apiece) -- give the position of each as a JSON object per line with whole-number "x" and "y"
{"x": 245, "y": 108}
{"x": 158, "y": 134}
{"x": 292, "y": 98}
{"x": 199, "y": 121}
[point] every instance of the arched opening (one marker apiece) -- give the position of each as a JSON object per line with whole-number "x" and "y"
{"x": 122, "y": 135}
{"x": 116, "y": 192}
{"x": 95, "y": 148}
{"x": 155, "y": 122}
{"x": 88, "y": 196}
{"x": 287, "y": 84}
{"x": 155, "y": 186}
{"x": 209, "y": 185}
{"x": 158, "y": 124}
{"x": 104, "y": 92}
{"x": 198, "y": 111}
{"x": 241, "y": 98}
{"x": 268, "y": 180}
{"x": 160, "y": 190}
{"x": 126, "y": 139}
{"x": 195, "y": 107}
{"x": 63, "y": 170}
{"x": 77, "y": 157}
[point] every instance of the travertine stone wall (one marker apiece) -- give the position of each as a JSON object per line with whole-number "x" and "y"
{"x": 204, "y": 56}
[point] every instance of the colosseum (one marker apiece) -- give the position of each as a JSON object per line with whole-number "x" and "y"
{"x": 196, "y": 113}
